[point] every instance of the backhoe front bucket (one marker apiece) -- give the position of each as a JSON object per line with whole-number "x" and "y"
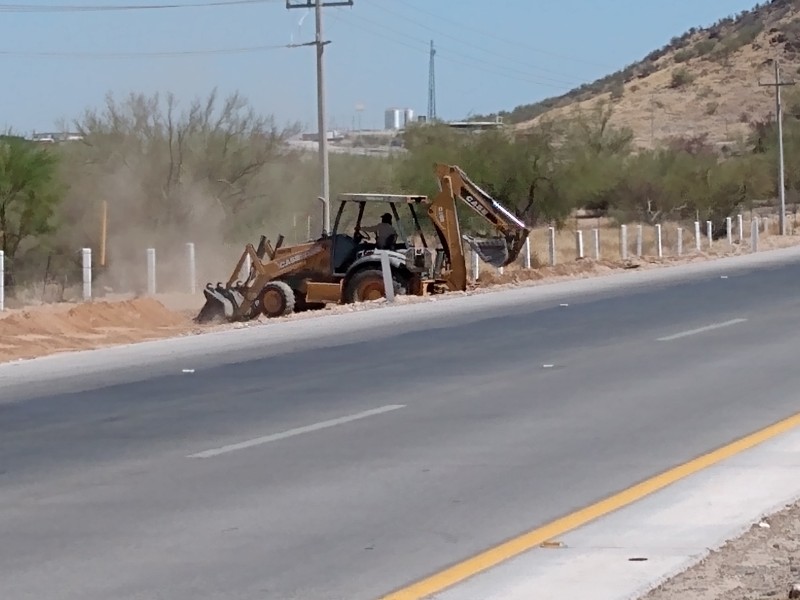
{"x": 221, "y": 304}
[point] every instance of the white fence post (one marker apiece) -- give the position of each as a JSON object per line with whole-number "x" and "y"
{"x": 659, "y": 248}
{"x": 709, "y": 232}
{"x": 596, "y": 233}
{"x": 151, "y": 271}
{"x": 192, "y": 268}
{"x": 386, "y": 269}
{"x": 476, "y": 266}
{"x": 740, "y": 227}
{"x": 551, "y": 242}
{"x": 680, "y": 241}
{"x": 527, "y": 256}
{"x": 729, "y": 227}
{"x": 623, "y": 242}
{"x": 579, "y": 244}
{"x": 697, "y": 240}
{"x": 754, "y": 235}
{"x": 87, "y": 273}
{"x": 639, "y": 236}
{"x": 2, "y": 281}
{"x": 766, "y": 224}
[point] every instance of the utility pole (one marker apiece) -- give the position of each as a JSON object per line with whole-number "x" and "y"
{"x": 778, "y": 84}
{"x": 322, "y": 127}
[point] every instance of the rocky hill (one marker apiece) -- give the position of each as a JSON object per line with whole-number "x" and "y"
{"x": 704, "y": 82}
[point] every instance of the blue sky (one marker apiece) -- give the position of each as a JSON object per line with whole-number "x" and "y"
{"x": 492, "y": 55}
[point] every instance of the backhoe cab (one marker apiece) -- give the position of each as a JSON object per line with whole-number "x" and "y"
{"x": 345, "y": 266}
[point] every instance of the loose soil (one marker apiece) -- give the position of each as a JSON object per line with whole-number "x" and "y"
{"x": 51, "y": 328}
{"x": 763, "y": 563}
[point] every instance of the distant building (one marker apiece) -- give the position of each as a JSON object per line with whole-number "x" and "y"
{"x": 477, "y": 125}
{"x": 54, "y": 138}
{"x": 396, "y": 119}
{"x": 393, "y": 118}
{"x": 333, "y": 136}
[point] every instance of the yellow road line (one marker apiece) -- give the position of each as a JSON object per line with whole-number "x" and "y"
{"x": 493, "y": 556}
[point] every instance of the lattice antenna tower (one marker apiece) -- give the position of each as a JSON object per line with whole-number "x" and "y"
{"x": 432, "y": 85}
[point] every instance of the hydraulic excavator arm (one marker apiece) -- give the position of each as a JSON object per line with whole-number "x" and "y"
{"x": 498, "y": 251}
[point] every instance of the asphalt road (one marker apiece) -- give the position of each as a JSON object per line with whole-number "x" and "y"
{"x": 364, "y": 466}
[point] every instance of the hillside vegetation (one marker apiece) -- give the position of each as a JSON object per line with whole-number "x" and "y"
{"x": 703, "y": 82}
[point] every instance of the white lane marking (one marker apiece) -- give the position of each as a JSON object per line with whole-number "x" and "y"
{"x": 701, "y": 330}
{"x": 297, "y": 431}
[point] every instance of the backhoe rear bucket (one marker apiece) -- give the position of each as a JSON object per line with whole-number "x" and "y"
{"x": 221, "y": 304}
{"x": 493, "y": 251}
{"x": 498, "y": 251}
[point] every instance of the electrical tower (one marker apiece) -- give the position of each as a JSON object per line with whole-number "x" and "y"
{"x": 432, "y": 85}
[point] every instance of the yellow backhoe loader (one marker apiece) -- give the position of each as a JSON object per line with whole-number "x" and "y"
{"x": 344, "y": 268}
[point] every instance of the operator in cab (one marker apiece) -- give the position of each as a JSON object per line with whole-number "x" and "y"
{"x": 384, "y": 231}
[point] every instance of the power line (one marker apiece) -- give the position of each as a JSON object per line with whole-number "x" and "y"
{"x": 55, "y": 8}
{"x": 471, "y": 44}
{"x": 116, "y": 55}
{"x": 488, "y": 34}
{"x": 493, "y": 68}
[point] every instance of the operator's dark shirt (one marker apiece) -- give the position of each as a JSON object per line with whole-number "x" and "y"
{"x": 382, "y": 232}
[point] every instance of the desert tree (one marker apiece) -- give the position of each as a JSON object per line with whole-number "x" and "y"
{"x": 178, "y": 168}
{"x": 29, "y": 195}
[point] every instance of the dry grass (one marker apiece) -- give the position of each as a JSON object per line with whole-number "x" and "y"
{"x": 715, "y": 101}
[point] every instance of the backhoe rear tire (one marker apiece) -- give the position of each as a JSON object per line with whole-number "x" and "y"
{"x": 277, "y": 299}
{"x": 367, "y": 285}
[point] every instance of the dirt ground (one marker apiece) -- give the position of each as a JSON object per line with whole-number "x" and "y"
{"x": 762, "y": 564}
{"x": 51, "y": 328}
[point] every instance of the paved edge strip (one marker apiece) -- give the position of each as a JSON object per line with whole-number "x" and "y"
{"x": 513, "y": 547}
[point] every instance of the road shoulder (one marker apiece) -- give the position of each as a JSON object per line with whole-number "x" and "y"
{"x": 729, "y": 531}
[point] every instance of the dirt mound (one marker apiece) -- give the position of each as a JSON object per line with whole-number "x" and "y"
{"x": 47, "y": 329}
{"x": 571, "y": 269}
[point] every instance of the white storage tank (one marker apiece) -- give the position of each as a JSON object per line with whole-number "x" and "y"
{"x": 394, "y": 118}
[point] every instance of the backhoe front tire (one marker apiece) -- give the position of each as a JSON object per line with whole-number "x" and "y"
{"x": 277, "y": 299}
{"x": 367, "y": 285}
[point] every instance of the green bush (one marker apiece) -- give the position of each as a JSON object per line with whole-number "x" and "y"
{"x": 681, "y": 78}
{"x": 704, "y": 47}
{"x": 705, "y": 92}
